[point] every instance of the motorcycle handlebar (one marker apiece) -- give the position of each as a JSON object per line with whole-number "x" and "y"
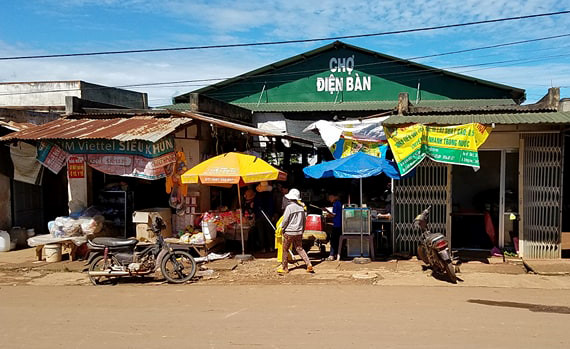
{"x": 425, "y": 212}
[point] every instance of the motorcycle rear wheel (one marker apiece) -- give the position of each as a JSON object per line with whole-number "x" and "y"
{"x": 98, "y": 264}
{"x": 449, "y": 270}
{"x": 178, "y": 267}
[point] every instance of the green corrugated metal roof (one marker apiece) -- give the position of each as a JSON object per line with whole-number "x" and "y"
{"x": 318, "y": 106}
{"x": 353, "y": 106}
{"x": 498, "y": 118}
{"x": 177, "y": 107}
{"x": 446, "y": 103}
{"x": 367, "y": 105}
{"x": 517, "y": 93}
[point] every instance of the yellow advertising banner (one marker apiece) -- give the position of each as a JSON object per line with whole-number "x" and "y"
{"x": 346, "y": 147}
{"x": 450, "y": 144}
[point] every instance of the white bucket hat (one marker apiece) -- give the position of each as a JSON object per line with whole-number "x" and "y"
{"x": 294, "y": 194}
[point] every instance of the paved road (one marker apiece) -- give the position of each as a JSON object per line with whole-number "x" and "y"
{"x": 282, "y": 316}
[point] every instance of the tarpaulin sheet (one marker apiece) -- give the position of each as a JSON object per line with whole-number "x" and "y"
{"x": 358, "y": 165}
{"x": 131, "y": 165}
{"x": 368, "y": 130}
{"x": 351, "y": 136}
{"x": 26, "y": 168}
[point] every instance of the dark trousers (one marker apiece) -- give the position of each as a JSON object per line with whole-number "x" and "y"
{"x": 335, "y": 237}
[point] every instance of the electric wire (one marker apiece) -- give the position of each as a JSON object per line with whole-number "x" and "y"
{"x": 298, "y": 72}
{"x": 283, "y": 42}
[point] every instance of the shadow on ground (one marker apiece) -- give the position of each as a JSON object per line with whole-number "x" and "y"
{"x": 537, "y": 308}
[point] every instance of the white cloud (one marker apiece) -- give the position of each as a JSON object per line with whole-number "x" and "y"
{"x": 225, "y": 21}
{"x": 287, "y": 19}
{"x": 534, "y": 79}
{"x": 124, "y": 70}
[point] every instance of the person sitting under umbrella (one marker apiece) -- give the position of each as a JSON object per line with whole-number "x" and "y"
{"x": 293, "y": 225}
{"x": 263, "y": 209}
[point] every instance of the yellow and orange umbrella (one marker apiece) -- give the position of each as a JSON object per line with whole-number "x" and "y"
{"x": 233, "y": 168}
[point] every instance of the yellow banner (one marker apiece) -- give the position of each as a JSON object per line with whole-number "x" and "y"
{"x": 345, "y": 147}
{"x": 449, "y": 144}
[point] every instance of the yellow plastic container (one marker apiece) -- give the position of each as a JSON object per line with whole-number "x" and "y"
{"x": 279, "y": 243}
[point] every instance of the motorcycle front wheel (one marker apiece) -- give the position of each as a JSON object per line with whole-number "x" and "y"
{"x": 99, "y": 264}
{"x": 422, "y": 254}
{"x": 178, "y": 267}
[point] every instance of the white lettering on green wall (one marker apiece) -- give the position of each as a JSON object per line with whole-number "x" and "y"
{"x": 347, "y": 82}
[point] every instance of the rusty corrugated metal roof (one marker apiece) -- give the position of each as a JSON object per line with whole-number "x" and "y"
{"x": 16, "y": 126}
{"x": 121, "y": 129}
{"x": 148, "y": 128}
{"x": 240, "y": 127}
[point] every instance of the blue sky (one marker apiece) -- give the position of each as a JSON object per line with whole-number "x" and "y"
{"x": 62, "y": 26}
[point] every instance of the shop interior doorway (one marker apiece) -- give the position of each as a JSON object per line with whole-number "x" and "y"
{"x": 485, "y": 202}
{"x": 117, "y": 197}
{"x": 33, "y": 206}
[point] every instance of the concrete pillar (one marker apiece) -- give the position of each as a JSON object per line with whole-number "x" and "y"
{"x": 193, "y": 150}
{"x": 5, "y": 203}
{"x": 78, "y": 190}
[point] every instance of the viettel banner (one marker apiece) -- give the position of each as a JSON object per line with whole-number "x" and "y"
{"x": 137, "y": 158}
{"x": 451, "y": 144}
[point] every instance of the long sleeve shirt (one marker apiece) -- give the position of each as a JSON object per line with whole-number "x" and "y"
{"x": 294, "y": 219}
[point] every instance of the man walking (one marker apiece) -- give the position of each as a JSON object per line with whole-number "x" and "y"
{"x": 293, "y": 225}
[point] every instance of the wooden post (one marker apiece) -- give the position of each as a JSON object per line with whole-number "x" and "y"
{"x": 403, "y": 103}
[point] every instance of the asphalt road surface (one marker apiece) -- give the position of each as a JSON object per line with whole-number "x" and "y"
{"x": 282, "y": 316}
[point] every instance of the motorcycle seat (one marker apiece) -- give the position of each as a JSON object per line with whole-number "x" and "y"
{"x": 114, "y": 242}
{"x": 435, "y": 236}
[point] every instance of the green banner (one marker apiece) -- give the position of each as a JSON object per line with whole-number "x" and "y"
{"x": 452, "y": 144}
{"x": 110, "y": 146}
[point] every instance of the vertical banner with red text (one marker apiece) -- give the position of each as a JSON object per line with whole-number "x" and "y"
{"x": 76, "y": 166}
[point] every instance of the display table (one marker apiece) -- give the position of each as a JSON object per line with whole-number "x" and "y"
{"x": 201, "y": 249}
{"x": 68, "y": 244}
{"x": 233, "y": 232}
{"x": 315, "y": 235}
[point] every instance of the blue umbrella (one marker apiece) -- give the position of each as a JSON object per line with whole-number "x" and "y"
{"x": 359, "y": 165}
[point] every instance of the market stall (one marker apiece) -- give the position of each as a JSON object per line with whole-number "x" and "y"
{"x": 356, "y": 220}
{"x": 233, "y": 168}
{"x": 126, "y": 166}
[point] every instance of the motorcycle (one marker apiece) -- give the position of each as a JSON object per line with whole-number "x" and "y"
{"x": 112, "y": 258}
{"x": 434, "y": 249}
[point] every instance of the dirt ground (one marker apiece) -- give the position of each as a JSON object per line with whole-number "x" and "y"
{"x": 282, "y": 316}
{"x": 393, "y": 303}
{"x": 19, "y": 268}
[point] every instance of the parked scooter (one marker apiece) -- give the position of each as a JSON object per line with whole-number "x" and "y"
{"x": 434, "y": 249}
{"x": 111, "y": 258}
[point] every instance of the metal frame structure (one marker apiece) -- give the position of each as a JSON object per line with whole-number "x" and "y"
{"x": 431, "y": 185}
{"x": 542, "y": 194}
{"x": 540, "y": 180}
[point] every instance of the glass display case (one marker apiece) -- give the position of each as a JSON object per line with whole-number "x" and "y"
{"x": 117, "y": 207}
{"x": 355, "y": 220}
